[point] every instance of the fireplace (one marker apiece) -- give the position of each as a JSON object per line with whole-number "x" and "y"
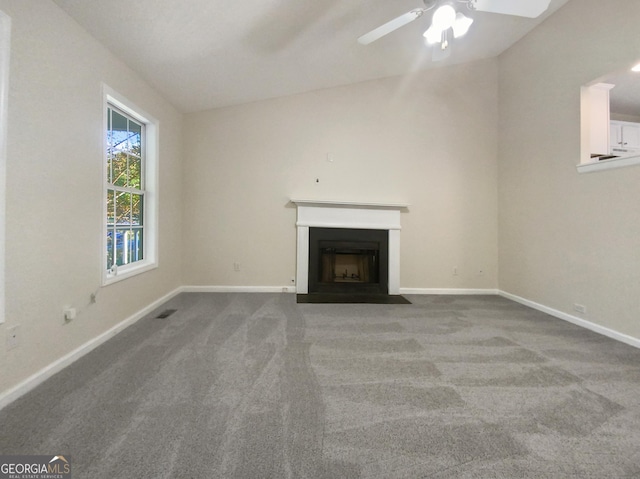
{"x": 344, "y": 216}
{"x": 343, "y": 260}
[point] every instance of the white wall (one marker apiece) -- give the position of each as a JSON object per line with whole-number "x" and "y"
{"x": 565, "y": 237}
{"x": 429, "y": 140}
{"x": 54, "y": 190}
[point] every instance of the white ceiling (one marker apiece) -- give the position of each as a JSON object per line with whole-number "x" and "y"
{"x": 204, "y": 54}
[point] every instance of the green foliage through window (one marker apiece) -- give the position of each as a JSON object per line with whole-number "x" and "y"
{"x": 125, "y": 189}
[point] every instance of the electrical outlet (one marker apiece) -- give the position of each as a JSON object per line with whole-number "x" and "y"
{"x": 455, "y": 271}
{"x": 236, "y": 267}
{"x": 13, "y": 337}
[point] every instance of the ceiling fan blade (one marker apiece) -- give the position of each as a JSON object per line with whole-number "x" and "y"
{"x": 520, "y": 8}
{"x": 390, "y": 26}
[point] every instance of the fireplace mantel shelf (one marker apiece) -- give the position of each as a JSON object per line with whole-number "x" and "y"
{"x": 351, "y": 204}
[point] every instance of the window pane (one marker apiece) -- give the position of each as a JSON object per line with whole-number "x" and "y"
{"x": 136, "y": 209}
{"x": 121, "y": 256}
{"x": 111, "y": 207}
{"x": 135, "y": 179}
{"x": 136, "y": 244}
{"x": 109, "y": 167}
{"x": 135, "y": 136}
{"x": 109, "y": 128}
{"x": 123, "y": 208}
{"x": 119, "y": 169}
{"x": 119, "y": 131}
{"x": 109, "y": 249}
{"x": 129, "y": 246}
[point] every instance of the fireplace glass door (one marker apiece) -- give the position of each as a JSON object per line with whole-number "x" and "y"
{"x": 348, "y": 260}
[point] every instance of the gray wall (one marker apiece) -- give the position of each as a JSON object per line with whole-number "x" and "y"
{"x": 566, "y": 237}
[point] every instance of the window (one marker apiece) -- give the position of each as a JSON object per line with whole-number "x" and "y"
{"x": 125, "y": 189}
{"x": 129, "y": 190}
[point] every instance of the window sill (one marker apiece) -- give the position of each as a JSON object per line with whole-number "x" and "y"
{"x": 608, "y": 164}
{"x": 127, "y": 272}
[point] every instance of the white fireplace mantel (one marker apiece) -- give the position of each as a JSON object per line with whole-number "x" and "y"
{"x": 336, "y": 203}
{"x": 347, "y": 214}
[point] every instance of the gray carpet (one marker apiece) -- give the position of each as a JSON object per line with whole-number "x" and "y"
{"x": 257, "y": 386}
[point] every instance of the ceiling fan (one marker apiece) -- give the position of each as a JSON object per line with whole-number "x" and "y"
{"x": 445, "y": 18}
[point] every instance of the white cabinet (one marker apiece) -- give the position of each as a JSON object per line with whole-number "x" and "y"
{"x": 625, "y": 136}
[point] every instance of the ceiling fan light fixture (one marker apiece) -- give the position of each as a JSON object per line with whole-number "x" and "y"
{"x": 461, "y": 25}
{"x": 444, "y": 17}
{"x": 433, "y": 35}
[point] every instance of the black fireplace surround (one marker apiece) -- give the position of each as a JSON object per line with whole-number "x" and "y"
{"x": 351, "y": 261}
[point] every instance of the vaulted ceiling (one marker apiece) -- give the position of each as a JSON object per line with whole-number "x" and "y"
{"x": 203, "y": 54}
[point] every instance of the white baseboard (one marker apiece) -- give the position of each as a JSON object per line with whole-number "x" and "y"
{"x": 238, "y": 289}
{"x": 461, "y": 291}
{"x": 611, "y": 333}
{"x": 39, "y": 377}
{"x": 292, "y": 289}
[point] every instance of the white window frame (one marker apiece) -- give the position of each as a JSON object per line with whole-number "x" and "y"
{"x": 5, "y": 51}
{"x": 150, "y": 211}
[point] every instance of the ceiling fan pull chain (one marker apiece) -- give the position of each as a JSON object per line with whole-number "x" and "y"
{"x": 445, "y": 42}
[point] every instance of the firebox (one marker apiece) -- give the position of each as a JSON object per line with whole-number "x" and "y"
{"x": 354, "y": 261}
